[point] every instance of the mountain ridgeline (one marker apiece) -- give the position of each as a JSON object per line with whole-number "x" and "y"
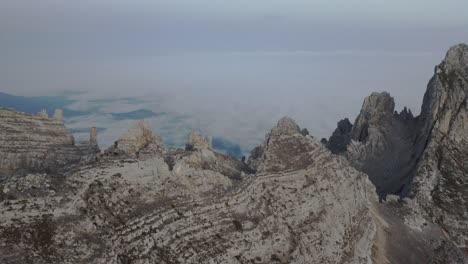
{"x": 389, "y": 188}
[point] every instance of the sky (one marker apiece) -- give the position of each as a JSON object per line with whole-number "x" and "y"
{"x": 232, "y": 67}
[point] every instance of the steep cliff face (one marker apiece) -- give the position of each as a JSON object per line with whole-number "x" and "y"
{"x": 382, "y": 144}
{"x": 38, "y": 143}
{"x": 423, "y": 157}
{"x": 440, "y": 184}
{"x": 341, "y": 137}
{"x": 141, "y": 211}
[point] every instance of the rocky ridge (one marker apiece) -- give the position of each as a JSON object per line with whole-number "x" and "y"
{"x": 140, "y": 210}
{"x": 38, "y": 143}
{"x": 293, "y": 201}
{"x": 422, "y": 157}
{"x": 139, "y": 140}
{"x": 441, "y": 178}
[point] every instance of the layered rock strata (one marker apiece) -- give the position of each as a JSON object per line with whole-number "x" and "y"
{"x": 313, "y": 208}
{"x": 31, "y": 142}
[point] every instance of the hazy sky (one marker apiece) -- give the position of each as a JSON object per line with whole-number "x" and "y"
{"x": 231, "y": 64}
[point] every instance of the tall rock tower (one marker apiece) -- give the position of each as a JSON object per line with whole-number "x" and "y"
{"x": 93, "y": 137}
{"x": 43, "y": 114}
{"x": 58, "y": 115}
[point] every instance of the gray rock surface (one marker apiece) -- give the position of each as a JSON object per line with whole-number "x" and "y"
{"x": 30, "y": 142}
{"x": 141, "y": 211}
{"x": 144, "y": 203}
{"x": 422, "y": 157}
{"x": 440, "y": 184}
{"x": 382, "y": 144}
{"x": 197, "y": 142}
{"x": 138, "y": 141}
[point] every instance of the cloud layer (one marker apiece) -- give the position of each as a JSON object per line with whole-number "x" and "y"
{"x": 229, "y": 68}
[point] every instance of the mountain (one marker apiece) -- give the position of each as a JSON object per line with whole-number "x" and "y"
{"x": 424, "y": 157}
{"x": 39, "y": 143}
{"x": 294, "y": 200}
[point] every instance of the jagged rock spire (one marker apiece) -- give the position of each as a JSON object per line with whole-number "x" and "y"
{"x": 58, "y": 115}
{"x": 93, "y": 137}
{"x": 43, "y": 114}
{"x": 447, "y": 90}
{"x": 286, "y": 125}
{"x": 285, "y": 147}
{"x": 138, "y": 140}
{"x": 197, "y": 141}
{"x": 376, "y": 107}
{"x": 341, "y": 137}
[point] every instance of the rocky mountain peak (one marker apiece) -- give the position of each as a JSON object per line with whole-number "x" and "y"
{"x": 197, "y": 141}
{"x": 447, "y": 91}
{"x": 286, "y": 147}
{"x": 456, "y": 59}
{"x": 303, "y": 205}
{"x": 376, "y": 109}
{"x": 340, "y": 138}
{"x": 406, "y": 114}
{"x": 441, "y": 173}
{"x": 379, "y": 102}
{"x": 138, "y": 140}
{"x": 422, "y": 157}
{"x": 286, "y": 125}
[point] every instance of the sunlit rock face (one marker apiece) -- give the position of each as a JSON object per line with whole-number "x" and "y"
{"x": 29, "y": 142}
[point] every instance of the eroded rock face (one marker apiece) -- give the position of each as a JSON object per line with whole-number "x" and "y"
{"x": 38, "y": 143}
{"x": 423, "y": 157}
{"x": 197, "y": 142}
{"x": 303, "y": 204}
{"x": 376, "y": 109}
{"x": 440, "y": 184}
{"x": 141, "y": 211}
{"x": 138, "y": 141}
{"x": 381, "y": 144}
{"x": 341, "y": 137}
{"x": 284, "y": 148}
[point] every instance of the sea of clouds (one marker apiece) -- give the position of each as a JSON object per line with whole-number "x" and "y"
{"x": 234, "y": 97}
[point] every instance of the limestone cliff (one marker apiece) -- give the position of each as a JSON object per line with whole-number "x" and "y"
{"x": 197, "y": 141}
{"x": 382, "y": 144}
{"x": 31, "y": 142}
{"x": 440, "y": 184}
{"x": 139, "y": 140}
{"x": 143, "y": 211}
{"x": 422, "y": 157}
